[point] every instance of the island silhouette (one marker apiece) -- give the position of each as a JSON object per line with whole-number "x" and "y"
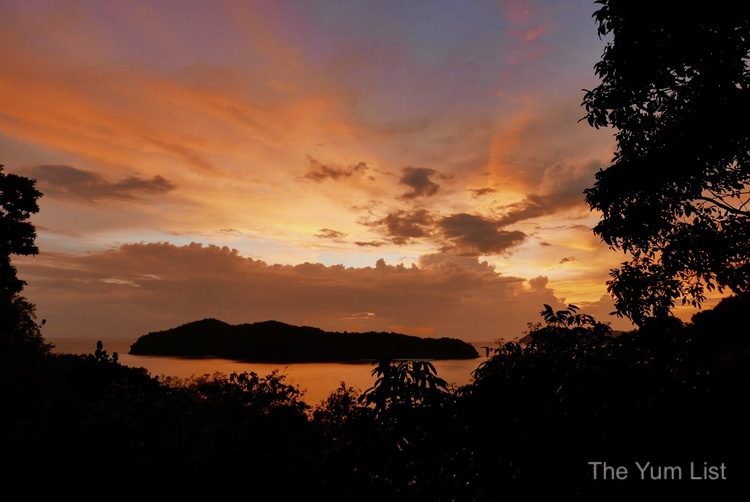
{"x": 274, "y": 341}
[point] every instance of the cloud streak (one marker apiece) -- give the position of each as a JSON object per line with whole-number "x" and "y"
{"x": 565, "y": 185}
{"x": 318, "y": 171}
{"x": 71, "y": 183}
{"x": 479, "y": 192}
{"x": 329, "y": 233}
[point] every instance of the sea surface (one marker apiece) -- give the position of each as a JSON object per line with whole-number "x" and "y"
{"x": 317, "y": 380}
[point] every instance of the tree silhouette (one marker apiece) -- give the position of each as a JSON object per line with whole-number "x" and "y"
{"x": 20, "y": 335}
{"x": 404, "y": 383}
{"x": 676, "y": 197}
{"x": 18, "y": 197}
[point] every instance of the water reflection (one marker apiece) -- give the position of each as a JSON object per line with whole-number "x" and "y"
{"x": 317, "y": 379}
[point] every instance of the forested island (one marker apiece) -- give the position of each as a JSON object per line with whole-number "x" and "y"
{"x": 273, "y": 341}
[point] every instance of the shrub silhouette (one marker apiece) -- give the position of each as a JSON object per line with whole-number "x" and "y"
{"x": 405, "y": 384}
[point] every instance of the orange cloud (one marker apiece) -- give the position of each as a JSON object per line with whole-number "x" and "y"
{"x": 142, "y": 287}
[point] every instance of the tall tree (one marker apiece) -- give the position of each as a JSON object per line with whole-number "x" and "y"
{"x": 18, "y": 196}
{"x": 676, "y": 87}
{"x": 19, "y": 332}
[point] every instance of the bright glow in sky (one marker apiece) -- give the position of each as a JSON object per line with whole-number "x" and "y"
{"x": 441, "y": 136}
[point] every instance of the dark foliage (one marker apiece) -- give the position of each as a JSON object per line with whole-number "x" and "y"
{"x": 89, "y": 423}
{"x": 20, "y": 337}
{"x": 405, "y": 384}
{"x": 277, "y": 341}
{"x": 18, "y": 196}
{"x": 536, "y": 413}
{"x": 665, "y": 393}
{"x": 677, "y": 90}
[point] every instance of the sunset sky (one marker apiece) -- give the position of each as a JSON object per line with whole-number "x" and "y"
{"x": 409, "y": 166}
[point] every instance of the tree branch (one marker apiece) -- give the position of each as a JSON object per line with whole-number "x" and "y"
{"x": 725, "y": 206}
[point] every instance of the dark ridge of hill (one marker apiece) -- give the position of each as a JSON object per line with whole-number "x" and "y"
{"x": 273, "y": 341}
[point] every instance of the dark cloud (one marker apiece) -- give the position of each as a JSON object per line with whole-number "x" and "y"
{"x": 473, "y": 234}
{"x": 401, "y": 226}
{"x": 458, "y": 234}
{"x": 374, "y": 244}
{"x": 230, "y": 231}
{"x": 567, "y": 185}
{"x": 545, "y": 244}
{"x": 418, "y": 179}
{"x": 317, "y": 171}
{"x": 69, "y": 182}
{"x": 329, "y": 233}
{"x": 567, "y": 259}
{"x": 478, "y": 192}
{"x": 144, "y": 287}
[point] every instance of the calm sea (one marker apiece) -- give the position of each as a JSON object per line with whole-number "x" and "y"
{"x": 317, "y": 380}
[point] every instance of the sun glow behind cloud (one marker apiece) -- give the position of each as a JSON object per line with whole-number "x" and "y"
{"x": 423, "y": 129}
